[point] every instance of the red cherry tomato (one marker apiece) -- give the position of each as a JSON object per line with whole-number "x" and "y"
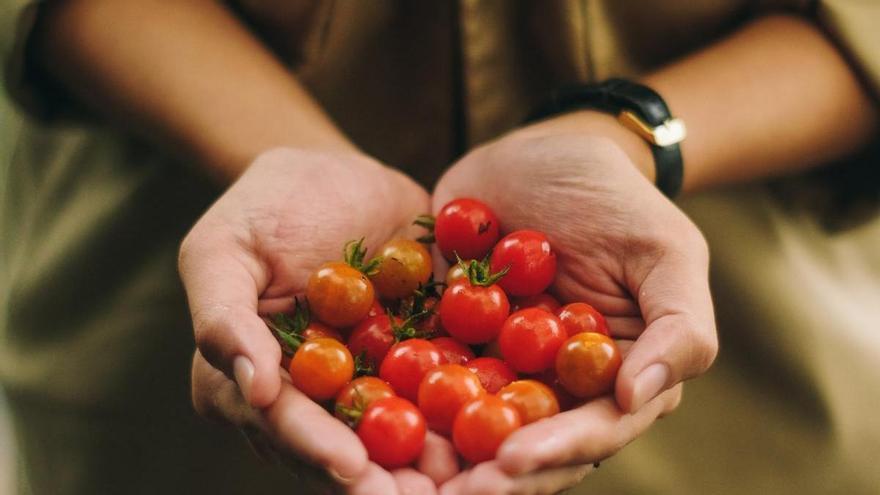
{"x": 376, "y": 309}
{"x": 473, "y": 314}
{"x": 531, "y": 260}
{"x": 406, "y": 364}
{"x": 358, "y": 394}
{"x": 541, "y": 301}
{"x": 321, "y": 367}
{"x": 393, "y": 431}
{"x": 317, "y": 330}
{"x": 580, "y": 317}
{"x": 339, "y": 295}
{"x": 482, "y": 425}
{"x": 529, "y": 340}
{"x": 443, "y": 391}
{"x": 587, "y": 364}
{"x": 373, "y": 336}
{"x": 405, "y": 265}
{"x": 532, "y": 399}
{"x": 454, "y": 351}
{"x": 431, "y": 324}
{"x": 566, "y": 400}
{"x": 466, "y": 227}
{"x": 492, "y": 372}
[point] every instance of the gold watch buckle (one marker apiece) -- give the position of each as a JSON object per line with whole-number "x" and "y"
{"x": 672, "y": 131}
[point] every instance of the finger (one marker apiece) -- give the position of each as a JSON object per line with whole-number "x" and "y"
{"x": 374, "y": 481}
{"x": 584, "y": 435}
{"x": 411, "y": 482}
{"x": 218, "y": 398}
{"x": 302, "y": 428}
{"x": 679, "y": 341}
{"x": 550, "y": 481}
{"x": 486, "y": 478}
{"x": 438, "y": 460}
{"x": 222, "y": 285}
{"x": 626, "y": 327}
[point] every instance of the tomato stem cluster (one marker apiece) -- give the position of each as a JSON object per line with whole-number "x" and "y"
{"x": 428, "y": 222}
{"x": 354, "y": 255}
{"x": 479, "y": 273}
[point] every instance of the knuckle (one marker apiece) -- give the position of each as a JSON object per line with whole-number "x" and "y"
{"x": 705, "y": 348}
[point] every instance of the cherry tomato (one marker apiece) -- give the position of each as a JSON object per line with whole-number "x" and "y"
{"x": 566, "y": 400}
{"x": 532, "y": 399}
{"x": 321, "y": 367}
{"x": 431, "y": 324}
{"x": 373, "y": 336}
{"x": 492, "y": 372}
{"x": 443, "y": 391}
{"x": 580, "y": 317}
{"x": 454, "y": 351}
{"x": 473, "y": 314}
{"x": 455, "y": 273}
{"x": 466, "y": 227}
{"x": 406, "y": 364}
{"x": 393, "y": 431}
{"x": 531, "y": 260}
{"x": 358, "y": 394}
{"x": 482, "y": 425}
{"x": 317, "y": 330}
{"x": 376, "y": 309}
{"x": 339, "y": 295}
{"x": 587, "y": 364}
{"x": 529, "y": 340}
{"x": 541, "y": 301}
{"x": 404, "y": 265}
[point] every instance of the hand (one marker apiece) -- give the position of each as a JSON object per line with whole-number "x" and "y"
{"x": 251, "y": 252}
{"x": 622, "y": 247}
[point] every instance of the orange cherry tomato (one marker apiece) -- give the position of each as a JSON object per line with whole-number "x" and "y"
{"x": 358, "y": 394}
{"x": 587, "y": 364}
{"x": 482, "y": 425}
{"x": 339, "y": 294}
{"x": 317, "y": 330}
{"x": 580, "y": 317}
{"x": 443, "y": 392}
{"x": 404, "y": 265}
{"x": 321, "y": 367}
{"x": 531, "y": 398}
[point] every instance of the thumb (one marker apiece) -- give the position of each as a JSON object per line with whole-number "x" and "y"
{"x": 222, "y": 285}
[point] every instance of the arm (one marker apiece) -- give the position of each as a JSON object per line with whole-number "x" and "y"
{"x": 186, "y": 73}
{"x": 772, "y": 99}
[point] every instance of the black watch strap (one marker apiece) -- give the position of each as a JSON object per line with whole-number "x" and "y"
{"x": 647, "y": 112}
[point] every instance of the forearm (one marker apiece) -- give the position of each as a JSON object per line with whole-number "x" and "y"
{"x": 185, "y": 73}
{"x": 774, "y": 98}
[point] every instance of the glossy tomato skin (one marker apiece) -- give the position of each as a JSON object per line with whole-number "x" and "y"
{"x": 454, "y": 351}
{"x": 443, "y": 392}
{"x": 529, "y": 340}
{"x": 339, "y": 295}
{"x": 580, "y": 317}
{"x": 466, "y": 227}
{"x": 359, "y": 393}
{"x": 321, "y": 367}
{"x": 456, "y": 273}
{"x": 587, "y": 365}
{"x": 316, "y": 330}
{"x": 532, "y": 399}
{"x": 393, "y": 431}
{"x": 376, "y": 309}
{"x": 493, "y": 373}
{"x": 473, "y": 314}
{"x": 565, "y": 400}
{"x": 481, "y": 426}
{"x": 531, "y": 260}
{"x": 541, "y": 301}
{"x": 405, "y": 265}
{"x": 406, "y": 364}
{"x": 375, "y": 336}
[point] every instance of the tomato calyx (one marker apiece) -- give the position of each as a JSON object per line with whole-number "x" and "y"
{"x": 363, "y": 366}
{"x": 289, "y": 331}
{"x": 427, "y": 222}
{"x": 354, "y": 255}
{"x": 407, "y": 330}
{"x": 351, "y": 416}
{"x": 479, "y": 273}
{"x": 416, "y": 306}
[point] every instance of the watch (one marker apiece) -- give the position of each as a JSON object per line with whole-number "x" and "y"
{"x": 638, "y": 108}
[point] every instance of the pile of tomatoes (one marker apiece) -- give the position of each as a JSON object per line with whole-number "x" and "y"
{"x": 394, "y": 354}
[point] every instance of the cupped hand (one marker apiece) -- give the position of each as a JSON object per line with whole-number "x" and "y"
{"x": 250, "y": 253}
{"x": 622, "y": 247}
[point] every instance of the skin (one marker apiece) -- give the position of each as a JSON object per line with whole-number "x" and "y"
{"x": 239, "y": 258}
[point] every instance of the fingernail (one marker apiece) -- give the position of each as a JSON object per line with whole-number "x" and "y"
{"x": 648, "y": 384}
{"x": 243, "y": 369}
{"x": 342, "y": 480}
